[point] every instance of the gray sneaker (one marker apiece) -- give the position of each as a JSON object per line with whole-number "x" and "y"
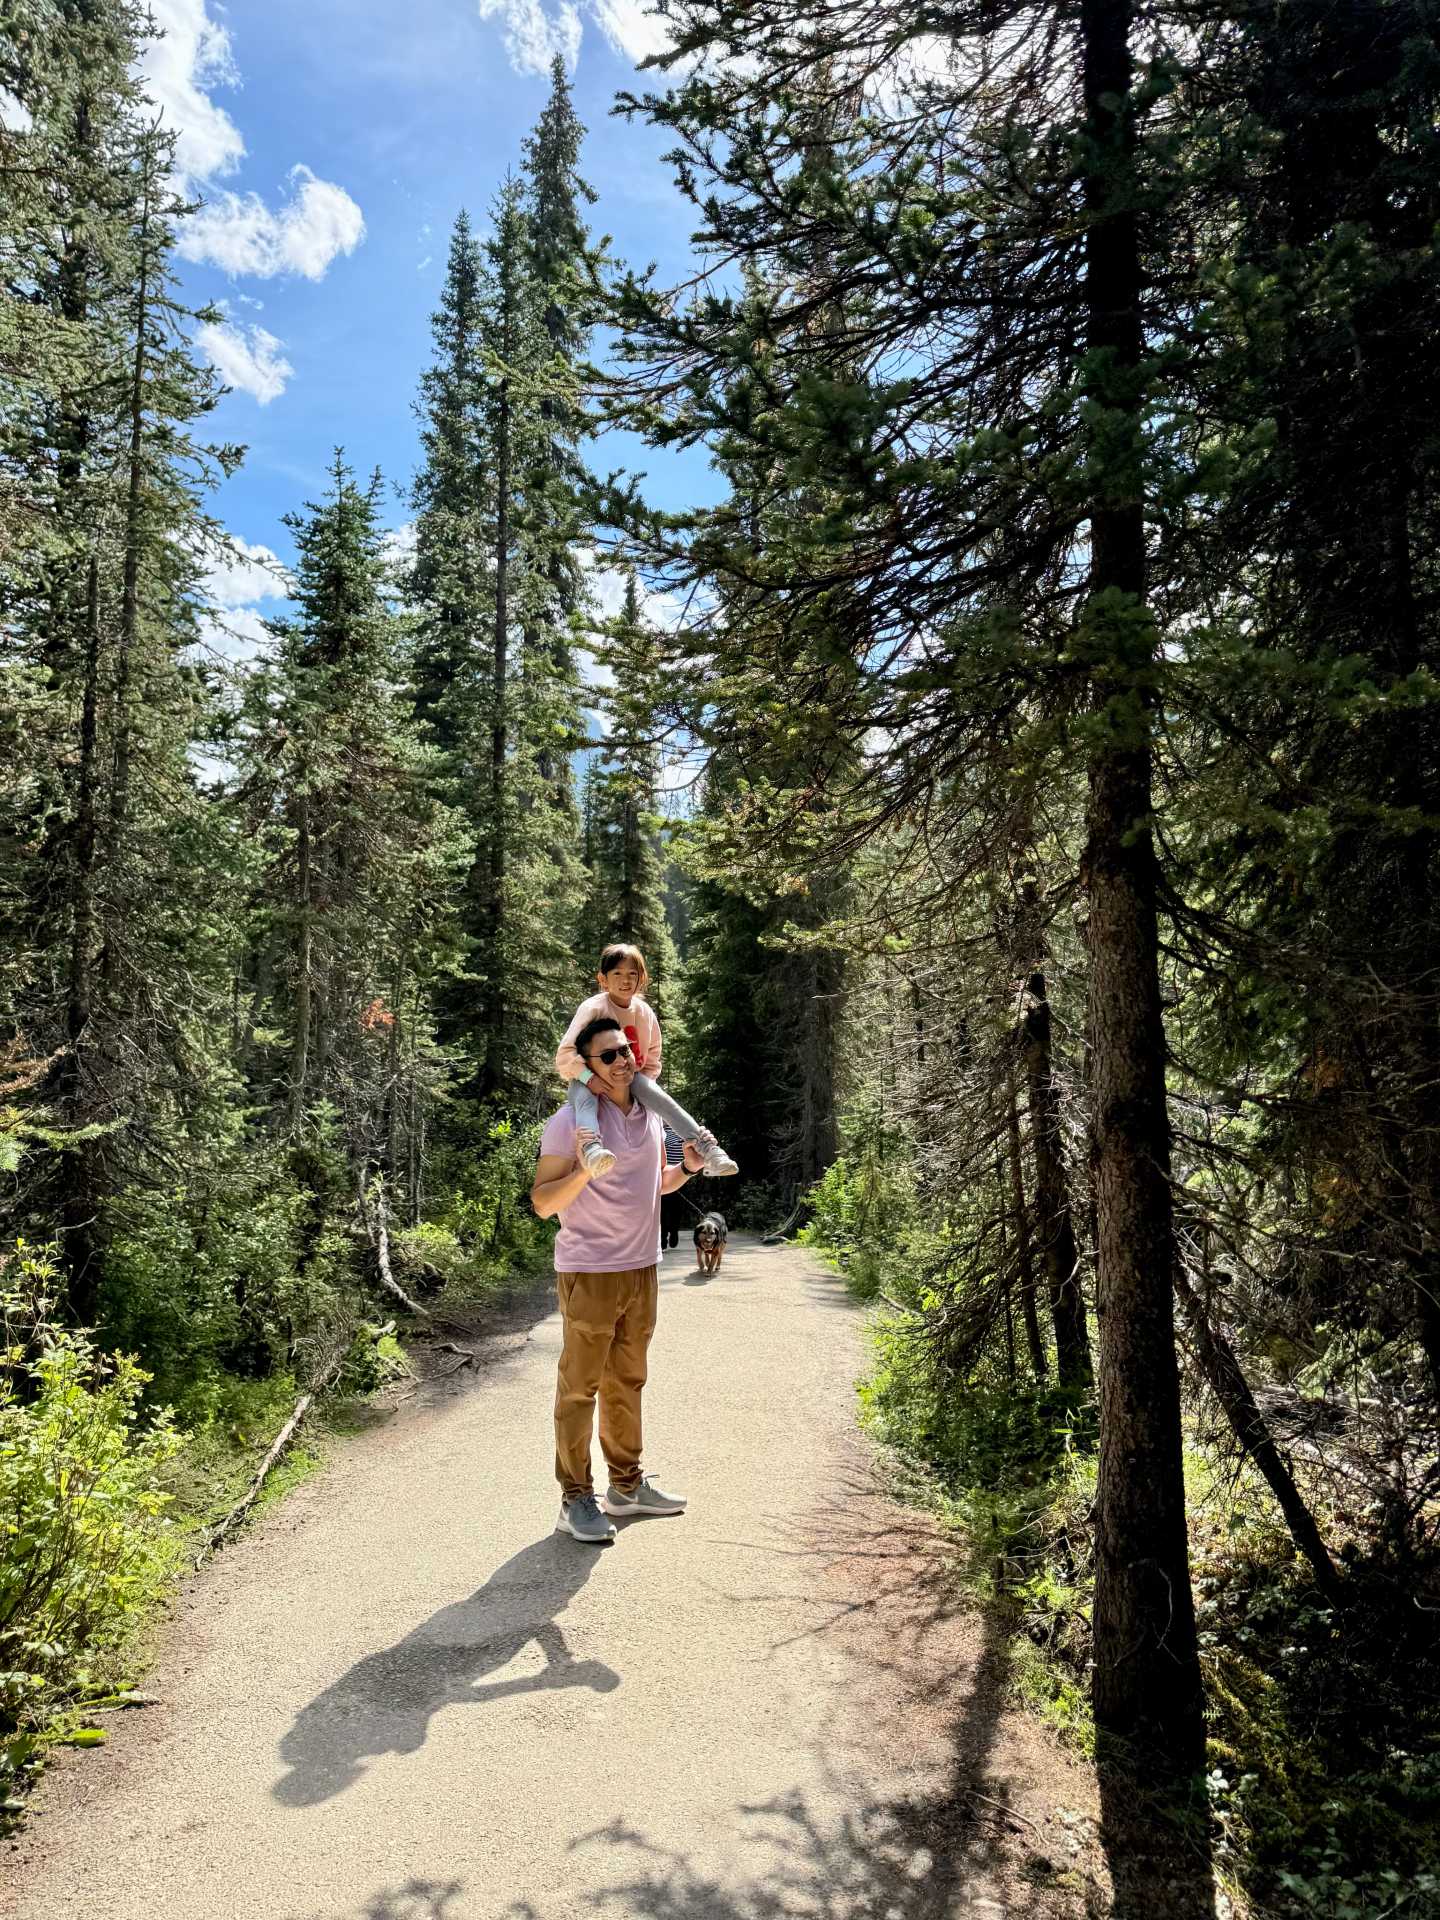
{"x": 646, "y": 1498}
{"x": 585, "y": 1521}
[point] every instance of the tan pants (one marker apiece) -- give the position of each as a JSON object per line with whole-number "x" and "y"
{"x": 609, "y": 1318}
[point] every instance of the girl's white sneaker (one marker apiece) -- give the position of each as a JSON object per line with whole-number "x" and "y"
{"x": 597, "y": 1158}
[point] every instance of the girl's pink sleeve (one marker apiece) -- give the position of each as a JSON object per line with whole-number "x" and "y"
{"x": 568, "y": 1063}
{"x": 651, "y": 1066}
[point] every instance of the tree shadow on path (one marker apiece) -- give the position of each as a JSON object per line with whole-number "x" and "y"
{"x": 415, "y": 1899}
{"x": 986, "y": 1827}
{"x": 385, "y": 1702}
{"x": 924, "y": 1673}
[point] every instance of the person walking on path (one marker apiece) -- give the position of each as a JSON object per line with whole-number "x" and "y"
{"x": 672, "y": 1205}
{"x": 606, "y": 1255}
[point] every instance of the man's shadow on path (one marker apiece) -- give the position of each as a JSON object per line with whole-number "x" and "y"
{"x": 384, "y": 1703}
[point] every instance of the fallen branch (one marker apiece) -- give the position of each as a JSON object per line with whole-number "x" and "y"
{"x": 277, "y": 1446}
{"x": 378, "y": 1234}
{"x": 778, "y": 1234}
{"x": 466, "y": 1359}
{"x": 1021, "y": 1819}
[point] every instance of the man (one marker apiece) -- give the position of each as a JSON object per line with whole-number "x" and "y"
{"x": 673, "y": 1207}
{"x": 605, "y": 1260}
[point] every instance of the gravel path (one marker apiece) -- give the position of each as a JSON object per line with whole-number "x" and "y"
{"x": 403, "y": 1697}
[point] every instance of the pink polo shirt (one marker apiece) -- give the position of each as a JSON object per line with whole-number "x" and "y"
{"x": 613, "y": 1224}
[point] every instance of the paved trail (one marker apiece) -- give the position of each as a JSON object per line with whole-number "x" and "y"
{"x": 403, "y": 1697}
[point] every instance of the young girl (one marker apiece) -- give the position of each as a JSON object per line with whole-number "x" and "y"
{"x": 622, "y": 978}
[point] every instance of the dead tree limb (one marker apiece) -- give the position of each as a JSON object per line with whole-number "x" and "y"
{"x": 1226, "y": 1379}
{"x": 277, "y": 1447}
{"x": 378, "y": 1234}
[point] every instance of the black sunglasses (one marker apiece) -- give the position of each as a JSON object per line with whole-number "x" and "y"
{"x": 607, "y": 1056}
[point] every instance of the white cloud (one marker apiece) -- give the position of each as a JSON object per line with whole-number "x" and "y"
{"x": 632, "y": 28}
{"x": 533, "y": 37}
{"x": 398, "y": 544}
{"x": 909, "y": 77}
{"x": 238, "y": 635}
{"x": 240, "y": 574}
{"x": 240, "y": 234}
{"x": 424, "y": 263}
{"x": 192, "y": 55}
{"x": 247, "y": 358}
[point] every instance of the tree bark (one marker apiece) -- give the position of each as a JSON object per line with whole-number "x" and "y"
{"x": 130, "y": 577}
{"x": 495, "y": 906}
{"x": 1147, "y": 1687}
{"x": 1054, "y": 1219}
{"x": 81, "y": 1198}
{"x": 1024, "y": 1254}
{"x": 300, "y": 1047}
{"x": 1222, "y": 1369}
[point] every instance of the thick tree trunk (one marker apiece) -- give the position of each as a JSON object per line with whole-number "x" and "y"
{"x": 130, "y": 581}
{"x": 1053, "y": 1218}
{"x": 300, "y": 1044}
{"x": 1147, "y": 1688}
{"x": 494, "y": 1009}
{"x": 1024, "y": 1254}
{"x": 80, "y": 1206}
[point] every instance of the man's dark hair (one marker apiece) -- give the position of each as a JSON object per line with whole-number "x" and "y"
{"x": 591, "y": 1027}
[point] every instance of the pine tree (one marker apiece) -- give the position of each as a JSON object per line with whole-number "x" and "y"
{"x": 496, "y": 683}
{"x": 448, "y": 582}
{"x": 622, "y": 822}
{"x": 363, "y": 855}
{"x": 122, "y": 880}
{"x": 975, "y": 463}
{"x": 561, "y": 263}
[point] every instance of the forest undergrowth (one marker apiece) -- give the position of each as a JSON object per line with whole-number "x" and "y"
{"x": 1323, "y": 1721}
{"x": 114, "y": 1474}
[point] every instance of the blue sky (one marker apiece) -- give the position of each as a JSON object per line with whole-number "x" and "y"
{"x": 333, "y": 142}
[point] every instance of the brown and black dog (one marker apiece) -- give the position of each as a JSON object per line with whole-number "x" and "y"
{"x": 711, "y": 1233}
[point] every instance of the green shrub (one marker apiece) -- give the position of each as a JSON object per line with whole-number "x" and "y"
{"x": 210, "y": 1285}
{"x": 481, "y": 1179}
{"x": 863, "y": 1215}
{"x": 86, "y": 1546}
{"x": 376, "y": 1357}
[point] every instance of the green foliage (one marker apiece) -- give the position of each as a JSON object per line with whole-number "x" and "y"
{"x": 375, "y": 1359}
{"x": 863, "y": 1211}
{"x": 623, "y": 846}
{"x": 211, "y": 1288}
{"x": 1325, "y": 1727}
{"x": 84, "y": 1543}
{"x": 491, "y": 1237}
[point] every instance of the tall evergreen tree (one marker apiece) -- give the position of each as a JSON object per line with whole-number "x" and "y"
{"x": 362, "y": 852}
{"x": 623, "y": 825}
{"x": 120, "y": 877}
{"x": 497, "y": 686}
{"x": 975, "y": 566}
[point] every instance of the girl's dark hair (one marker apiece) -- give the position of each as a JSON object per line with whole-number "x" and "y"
{"x": 619, "y": 950}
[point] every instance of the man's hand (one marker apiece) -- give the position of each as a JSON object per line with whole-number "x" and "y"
{"x": 694, "y": 1158}
{"x": 583, "y": 1137}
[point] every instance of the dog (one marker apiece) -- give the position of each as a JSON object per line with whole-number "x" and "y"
{"x": 711, "y": 1233}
